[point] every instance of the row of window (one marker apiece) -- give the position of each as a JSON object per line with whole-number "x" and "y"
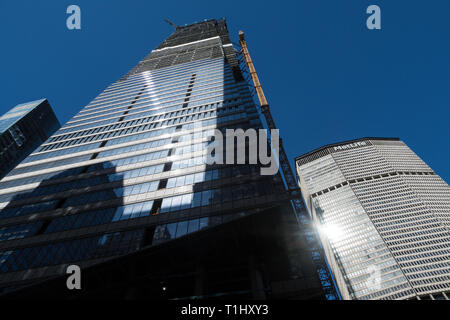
{"x": 135, "y": 108}
{"x": 109, "y": 244}
{"x": 183, "y": 114}
{"x": 27, "y": 209}
{"x": 52, "y": 164}
{"x": 153, "y": 82}
{"x": 156, "y": 85}
{"x": 172, "y": 77}
{"x": 110, "y": 194}
{"x": 132, "y": 135}
{"x": 173, "y": 72}
{"x": 153, "y": 103}
{"x": 175, "y": 230}
{"x": 113, "y": 163}
{"x": 117, "y": 243}
{"x": 141, "y": 188}
{"x": 154, "y": 93}
{"x": 78, "y": 184}
{"x": 131, "y": 211}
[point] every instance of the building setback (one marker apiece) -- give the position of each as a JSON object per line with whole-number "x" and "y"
{"x": 23, "y": 129}
{"x": 383, "y": 217}
{"x": 123, "y": 190}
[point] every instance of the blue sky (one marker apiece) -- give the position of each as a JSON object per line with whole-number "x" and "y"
{"x": 327, "y": 77}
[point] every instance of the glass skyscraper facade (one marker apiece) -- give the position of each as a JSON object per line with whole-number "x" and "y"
{"x": 383, "y": 218}
{"x": 23, "y": 129}
{"x": 129, "y": 172}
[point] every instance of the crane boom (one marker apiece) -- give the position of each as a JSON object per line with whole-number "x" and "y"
{"x": 309, "y": 236}
{"x": 286, "y": 169}
{"x": 171, "y": 23}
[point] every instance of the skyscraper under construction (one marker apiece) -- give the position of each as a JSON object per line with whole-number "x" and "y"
{"x": 124, "y": 191}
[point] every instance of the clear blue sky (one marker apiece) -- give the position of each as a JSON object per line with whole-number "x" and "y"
{"x": 326, "y": 76}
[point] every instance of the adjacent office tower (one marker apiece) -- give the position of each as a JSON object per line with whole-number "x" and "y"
{"x": 383, "y": 216}
{"x": 23, "y": 129}
{"x": 123, "y": 191}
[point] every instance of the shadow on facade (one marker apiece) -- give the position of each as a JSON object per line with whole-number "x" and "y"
{"x": 38, "y": 239}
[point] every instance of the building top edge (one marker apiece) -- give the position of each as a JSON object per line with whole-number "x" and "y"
{"x": 344, "y": 142}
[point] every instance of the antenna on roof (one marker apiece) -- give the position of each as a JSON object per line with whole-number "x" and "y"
{"x": 171, "y": 23}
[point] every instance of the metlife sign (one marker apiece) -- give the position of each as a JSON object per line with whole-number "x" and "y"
{"x": 349, "y": 146}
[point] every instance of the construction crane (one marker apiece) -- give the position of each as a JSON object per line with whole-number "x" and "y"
{"x": 292, "y": 186}
{"x": 171, "y": 23}
{"x": 286, "y": 169}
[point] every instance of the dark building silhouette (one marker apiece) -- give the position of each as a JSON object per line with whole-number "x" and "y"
{"x": 124, "y": 191}
{"x": 23, "y": 129}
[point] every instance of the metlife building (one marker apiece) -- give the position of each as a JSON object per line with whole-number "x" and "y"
{"x": 383, "y": 216}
